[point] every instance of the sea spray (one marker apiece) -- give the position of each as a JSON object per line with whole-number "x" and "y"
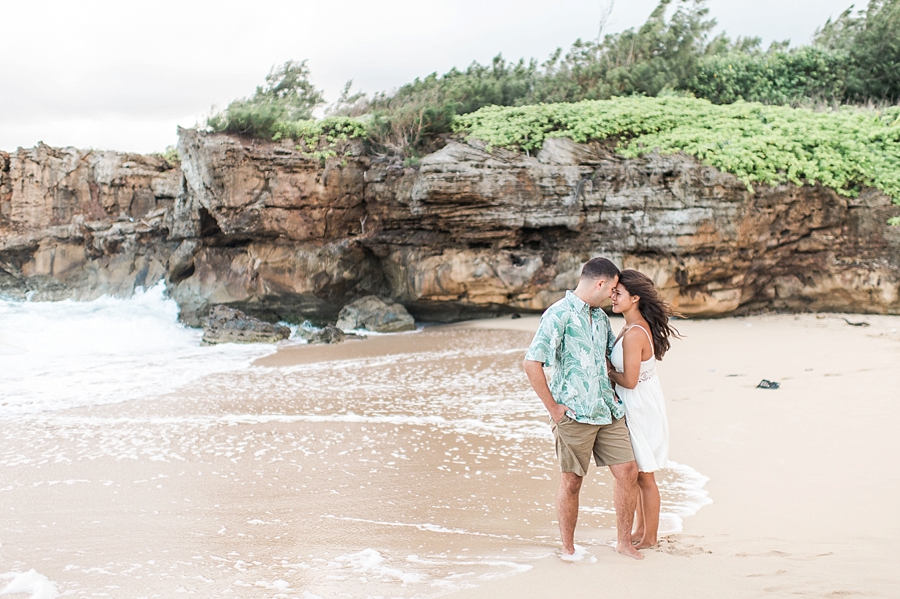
{"x": 59, "y": 355}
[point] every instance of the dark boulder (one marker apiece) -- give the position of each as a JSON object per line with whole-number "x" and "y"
{"x": 227, "y": 325}
{"x": 374, "y": 314}
{"x": 328, "y": 334}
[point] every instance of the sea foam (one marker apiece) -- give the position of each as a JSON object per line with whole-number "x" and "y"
{"x": 371, "y": 562}
{"x": 684, "y": 496}
{"x": 58, "y": 355}
{"x": 36, "y": 585}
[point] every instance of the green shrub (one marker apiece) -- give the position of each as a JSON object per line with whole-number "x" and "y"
{"x": 871, "y": 40}
{"x": 287, "y": 96}
{"x": 400, "y": 123}
{"x": 247, "y": 117}
{"x": 803, "y": 75}
{"x": 841, "y": 149}
{"x": 171, "y": 155}
{"x": 282, "y": 109}
{"x": 662, "y": 54}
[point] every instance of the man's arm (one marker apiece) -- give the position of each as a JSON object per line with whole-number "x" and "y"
{"x": 535, "y": 372}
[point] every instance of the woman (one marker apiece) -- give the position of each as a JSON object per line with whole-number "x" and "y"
{"x": 644, "y": 340}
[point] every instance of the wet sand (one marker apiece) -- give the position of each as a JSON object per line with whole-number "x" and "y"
{"x": 421, "y": 464}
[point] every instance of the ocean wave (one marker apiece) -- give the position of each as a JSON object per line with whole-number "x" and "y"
{"x": 60, "y": 355}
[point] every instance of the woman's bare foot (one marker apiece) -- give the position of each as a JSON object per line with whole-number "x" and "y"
{"x": 629, "y": 550}
{"x": 636, "y": 536}
{"x": 645, "y": 543}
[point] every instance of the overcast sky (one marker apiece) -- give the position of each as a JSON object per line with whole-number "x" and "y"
{"x": 122, "y": 75}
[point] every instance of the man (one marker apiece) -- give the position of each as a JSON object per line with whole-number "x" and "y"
{"x": 574, "y": 338}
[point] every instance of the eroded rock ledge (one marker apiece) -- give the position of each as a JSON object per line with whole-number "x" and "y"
{"x": 259, "y": 227}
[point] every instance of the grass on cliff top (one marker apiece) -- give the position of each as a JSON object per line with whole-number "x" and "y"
{"x": 319, "y": 138}
{"x": 843, "y": 149}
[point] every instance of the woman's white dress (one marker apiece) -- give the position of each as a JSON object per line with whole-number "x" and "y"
{"x": 645, "y": 412}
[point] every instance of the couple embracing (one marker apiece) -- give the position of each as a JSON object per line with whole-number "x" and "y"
{"x": 604, "y": 397}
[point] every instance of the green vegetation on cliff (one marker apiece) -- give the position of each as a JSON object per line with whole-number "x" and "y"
{"x": 842, "y": 149}
{"x": 288, "y": 96}
{"x": 320, "y": 138}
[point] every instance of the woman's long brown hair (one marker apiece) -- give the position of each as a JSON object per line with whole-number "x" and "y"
{"x": 654, "y": 310}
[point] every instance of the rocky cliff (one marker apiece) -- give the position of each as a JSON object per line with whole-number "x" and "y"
{"x": 80, "y": 224}
{"x": 263, "y": 228}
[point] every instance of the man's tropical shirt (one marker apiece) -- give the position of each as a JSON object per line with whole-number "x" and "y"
{"x": 574, "y": 340}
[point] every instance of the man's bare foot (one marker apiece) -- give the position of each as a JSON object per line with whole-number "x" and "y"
{"x": 629, "y": 550}
{"x": 577, "y": 555}
{"x": 644, "y": 544}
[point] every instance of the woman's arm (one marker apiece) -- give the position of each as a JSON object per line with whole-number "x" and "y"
{"x": 632, "y": 348}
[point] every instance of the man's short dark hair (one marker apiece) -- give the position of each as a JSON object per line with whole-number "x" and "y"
{"x": 599, "y": 268}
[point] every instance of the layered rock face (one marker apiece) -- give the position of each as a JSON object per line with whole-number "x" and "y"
{"x": 269, "y": 231}
{"x": 80, "y": 224}
{"x": 514, "y": 229}
{"x": 262, "y": 228}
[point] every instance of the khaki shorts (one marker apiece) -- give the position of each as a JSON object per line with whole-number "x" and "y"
{"x": 610, "y": 444}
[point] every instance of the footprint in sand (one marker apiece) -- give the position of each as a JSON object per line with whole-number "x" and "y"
{"x": 679, "y": 546}
{"x": 772, "y": 553}
{"x": 783, "y": 591}
{"x": 776, "y": 573}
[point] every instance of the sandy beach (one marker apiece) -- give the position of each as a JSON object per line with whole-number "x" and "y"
{"x": 420, "y": 464}
{"x": 803, "y": 501}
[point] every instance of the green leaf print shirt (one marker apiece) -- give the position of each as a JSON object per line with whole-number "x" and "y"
{"x": 574, "y": 339}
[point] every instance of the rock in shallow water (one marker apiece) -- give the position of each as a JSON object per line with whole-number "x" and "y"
{"x": 328, "y": 334}
{"x": 227, "y": 325}
{"x": 374, "y": 314}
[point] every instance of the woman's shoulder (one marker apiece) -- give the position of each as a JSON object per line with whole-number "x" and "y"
{"x": 638, "y": 333}
{"x": 638, "y": 329}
